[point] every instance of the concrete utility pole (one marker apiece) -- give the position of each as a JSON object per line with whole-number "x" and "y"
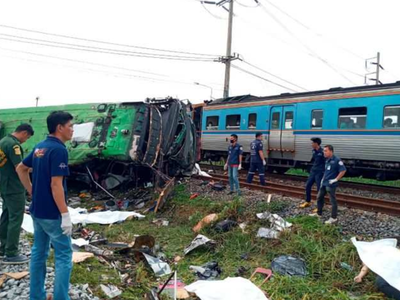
{"x": 37, "y": 101}
{"x": 376, "y": 73}
{"x": 228, "y": 57}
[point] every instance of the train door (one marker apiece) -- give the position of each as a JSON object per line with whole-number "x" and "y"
{"x": 281, "y": 137}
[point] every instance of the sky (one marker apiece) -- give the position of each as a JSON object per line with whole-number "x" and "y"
{"x": 67, "y": 52}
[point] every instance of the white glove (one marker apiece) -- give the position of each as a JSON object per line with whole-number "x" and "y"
{"x": 240, "y": 167}
{"x": 226, "y": 167}
{"x": 332, "y": 181}
{"x": 66, "y": 224}
{"x": 264, "y": 162}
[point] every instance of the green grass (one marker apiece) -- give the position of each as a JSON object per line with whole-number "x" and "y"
{"x": 321, "y": 246}
{"x": 394, "y": 183}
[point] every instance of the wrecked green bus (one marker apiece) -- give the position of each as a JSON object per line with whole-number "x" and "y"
{"x": 115, "y": 140}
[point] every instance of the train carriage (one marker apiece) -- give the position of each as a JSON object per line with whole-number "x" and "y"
{"x": 362, "y": 123}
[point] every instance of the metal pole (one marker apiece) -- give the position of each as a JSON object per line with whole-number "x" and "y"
{"x": 378, "y": 65}
{"x": 37, "y": 101}
{"x": 228, "y": 51}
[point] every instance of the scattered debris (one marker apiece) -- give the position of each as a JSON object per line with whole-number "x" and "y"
{"x": 197, "y": 171}
{"x": 267, "y": 233}
{"x": 159, "y": 267}
{"x": 346, "y": 266}
{"x": 289, "y": 265}
{"x": 160, "y": 222}
{"x": 110, "y": 290}
{"x": 200, "y": 240}
{"x": 111, "y": 205}
{"x": 208, "y": 271}
{"x": 169, "y": 287}
{"x": 193, "y": 196}
{"x": 225, "y": 226}
{"x": 241, "y": 271}
{"x": 243, "y": 227}
{"x": 236, "y": 288}
{"x": 169, "y": 187}
{"x": 205, "y": 221}
{"x": 266, "y": 272}
{"x": 97, "y": 251}
{"x": 78, "y": 257}
{"x": 277, "y": 222}
{"x": 18, "y": 275}
{"x": 177, "y": 259}
{"x": 2, "y": 279}
{"x": 217, "y": 186}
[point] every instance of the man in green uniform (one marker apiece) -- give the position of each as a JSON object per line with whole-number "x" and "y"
{"x": 13, "y": 194}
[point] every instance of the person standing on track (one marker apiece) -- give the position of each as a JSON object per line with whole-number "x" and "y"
{"x": 317, "y": 170}
{"x": 51, "y": 220}
{"x": 234, "y": 164}
{"x": 257, "y": 161}
{"x": 334, "y": 171}
{"x": 13, "y": 194}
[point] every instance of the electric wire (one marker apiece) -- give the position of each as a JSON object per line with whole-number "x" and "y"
{"x": 311, "y": 30}
{"x": 314, "y": 54}
{"x": 269, "y": 73}
{"x": 247, "y": 6}
{"x": 213, "y": 15}
{"x": 103, "y": 52}
{"x": 104, "y": 42}
{"x": 262, "y": 78}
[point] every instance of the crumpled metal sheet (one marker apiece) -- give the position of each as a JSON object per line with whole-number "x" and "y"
{"x": 289, "y": 265}
{"x": 199, "y": 240}
{"x": 267, "y": 233}
{"x": 159, "y": 267}
{"x": 208, "y": 271}
{"x": 277, "y": 222}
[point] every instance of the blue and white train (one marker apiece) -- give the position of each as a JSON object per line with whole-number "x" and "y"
{"x": 362, "y": 123}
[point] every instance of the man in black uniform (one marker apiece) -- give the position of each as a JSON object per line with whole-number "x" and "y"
{"x": 317, "y": 170}
{"x": 13, "y": 194}
{"x": 257, "y": 161}
{"x": 334, "y": 171}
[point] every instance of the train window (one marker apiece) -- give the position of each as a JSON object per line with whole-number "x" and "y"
{"x": 252, "y": 121}
{"x": 275, "y": 120}
{"x": 212, "y": 123}
{"x": 352, "y": 118}
{"x": 289, "y": 120}
{"x": 233, "y": 122}
{"x": 391, "y": 117}
{"x": 317, "y": 117}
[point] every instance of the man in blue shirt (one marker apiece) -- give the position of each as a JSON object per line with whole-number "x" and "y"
{"x": 49, "y": 211}
{"x": 317, "y": 170}
{"x": 257, "y": 161}
{"x": 334, "y": 171}
{"x": 234, "y": 164}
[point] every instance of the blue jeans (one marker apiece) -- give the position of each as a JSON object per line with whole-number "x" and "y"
{"x": 315, "y": 177}
{"x": 48, "y": 231}
{"x": 233, "y": 178}
{"x": 256, "y": 167}
{"x": 331, "y": 190}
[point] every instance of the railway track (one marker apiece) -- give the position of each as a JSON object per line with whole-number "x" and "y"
{"x": 353, "y": 201}
{"x": 344, "y": 184}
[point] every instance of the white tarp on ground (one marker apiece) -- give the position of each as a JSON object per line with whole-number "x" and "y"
{"x": 80, "y": 215}
{"x": 382, "y": 257}
{"x": 236, "y": 288}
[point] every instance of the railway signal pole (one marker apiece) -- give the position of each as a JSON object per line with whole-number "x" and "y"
{"x": 378, "y": 65}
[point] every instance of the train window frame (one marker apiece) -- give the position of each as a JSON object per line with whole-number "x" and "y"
{"x": 228, "y": 121}
{"x": 385, "y": 117}
{"x": 314, "y": 127}
{"x": 285, "y": 122}
{"x": 351, "y": 114}
{"x": 277, "y": 127}
{"x": 212, "y": 127}
{"x": 255, "y": 121}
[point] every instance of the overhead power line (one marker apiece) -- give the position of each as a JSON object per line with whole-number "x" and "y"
{"x": 247, "y": 6}
{"x": 262, "y": 78}
{"x": 97, "y": 49}
{"x": 273, "y": 75}
{"x": 105, "y": 42}
{"x": 311, "y": 30}
{"x": 314, "y": 54}
{"x": 82, "y": 61}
